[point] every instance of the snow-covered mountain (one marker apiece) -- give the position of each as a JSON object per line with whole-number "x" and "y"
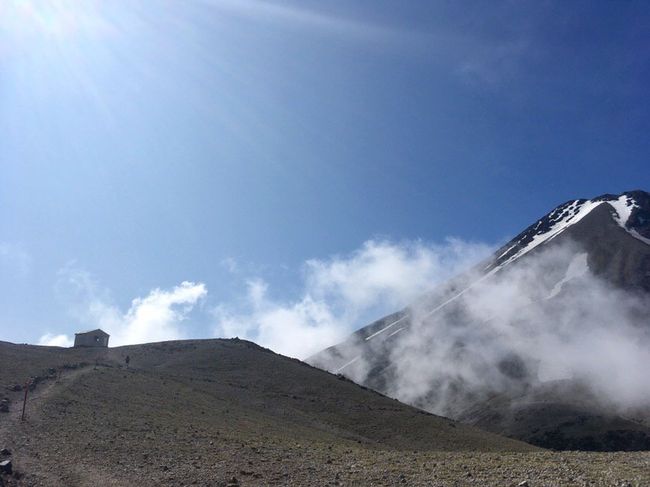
{"x": 565, "y": 300}
{"x": 630, "y": 210}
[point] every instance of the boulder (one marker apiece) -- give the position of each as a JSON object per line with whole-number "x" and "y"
{"x": 6, "y": 467}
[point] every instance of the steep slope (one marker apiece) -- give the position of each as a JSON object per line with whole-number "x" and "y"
{"x": 474, "y": 337}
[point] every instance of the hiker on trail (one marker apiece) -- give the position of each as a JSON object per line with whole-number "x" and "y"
{"x": 127, "y": 360}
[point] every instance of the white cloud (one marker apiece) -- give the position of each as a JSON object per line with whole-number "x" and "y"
{"x": 391, "y": 273}
{"x": 341, "y": 292}
{"x": 158, "y": 316}
{"x": 155, "y": 317}
{"x": 230, "y": 264}
{"x": 295, "y": 329}
{"x": 50, "y": 340}
{"x": 447, "y": 360}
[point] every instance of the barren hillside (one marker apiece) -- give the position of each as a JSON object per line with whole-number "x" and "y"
{"x": 220, "y": 412}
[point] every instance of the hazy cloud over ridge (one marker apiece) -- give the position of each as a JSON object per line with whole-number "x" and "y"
{"x": 339, "y": 292}
{"x": 547, "y": 317}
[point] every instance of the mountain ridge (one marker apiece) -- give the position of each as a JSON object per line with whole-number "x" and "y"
{"x": 594, "y": 245}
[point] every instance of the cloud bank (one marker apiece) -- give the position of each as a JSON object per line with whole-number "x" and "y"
{"x": 340, "y": 293}
{"x": 547, "y": 318}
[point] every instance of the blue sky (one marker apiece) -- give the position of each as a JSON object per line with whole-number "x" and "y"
{"x": 250, "y": 148}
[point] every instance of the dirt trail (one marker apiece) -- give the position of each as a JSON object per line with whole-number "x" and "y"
{"x": 36, "y": 397}
{"x": 13, "y": 431}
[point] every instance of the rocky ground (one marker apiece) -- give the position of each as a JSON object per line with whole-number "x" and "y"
{"x": 230, "y": 413}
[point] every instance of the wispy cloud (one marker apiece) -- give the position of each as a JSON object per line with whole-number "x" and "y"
{"x": 491, "y": 65}
{"x": 293, "y": 329}
{"x": 297, "y": 16}
{"x": 339, "y": 292}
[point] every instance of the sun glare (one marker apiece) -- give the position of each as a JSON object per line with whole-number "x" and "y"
{"x": 54, "y": 19}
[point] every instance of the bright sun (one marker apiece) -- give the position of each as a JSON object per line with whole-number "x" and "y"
{"x": 55, "y": 19}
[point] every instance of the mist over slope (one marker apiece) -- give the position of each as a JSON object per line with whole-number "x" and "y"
{"x": 556, "y": 320}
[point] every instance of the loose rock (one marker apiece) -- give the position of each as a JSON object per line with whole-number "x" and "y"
{"x": 6, "y": 467}
{"x": 5, "y": 452}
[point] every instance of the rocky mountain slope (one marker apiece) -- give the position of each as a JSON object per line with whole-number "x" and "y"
{"x": 570, "y": 293}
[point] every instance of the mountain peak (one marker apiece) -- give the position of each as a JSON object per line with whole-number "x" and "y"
{"x": 631, "y": 210}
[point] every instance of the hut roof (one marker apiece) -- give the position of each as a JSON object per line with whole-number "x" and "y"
{"x": 95, "y": 331}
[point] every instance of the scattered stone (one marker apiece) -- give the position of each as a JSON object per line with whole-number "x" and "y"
{"x": 5, "y": 452}
{"x": 4, "y": 405}
{"x": 6, "y": 467}
{"x": 16, "y": 388}
{"x": 233, "y": 482}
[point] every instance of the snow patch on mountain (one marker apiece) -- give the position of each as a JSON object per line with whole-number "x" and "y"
{"x": 558, "y": 221}
{"x": 577, "y": 268}
{"x": 567, "y": 215}
{"x": 624, "y": 206}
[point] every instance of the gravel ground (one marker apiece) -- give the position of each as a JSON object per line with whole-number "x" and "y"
{"x": 183, "y": 416}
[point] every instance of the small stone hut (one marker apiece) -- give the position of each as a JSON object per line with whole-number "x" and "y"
{"x": 91, "y": 338}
